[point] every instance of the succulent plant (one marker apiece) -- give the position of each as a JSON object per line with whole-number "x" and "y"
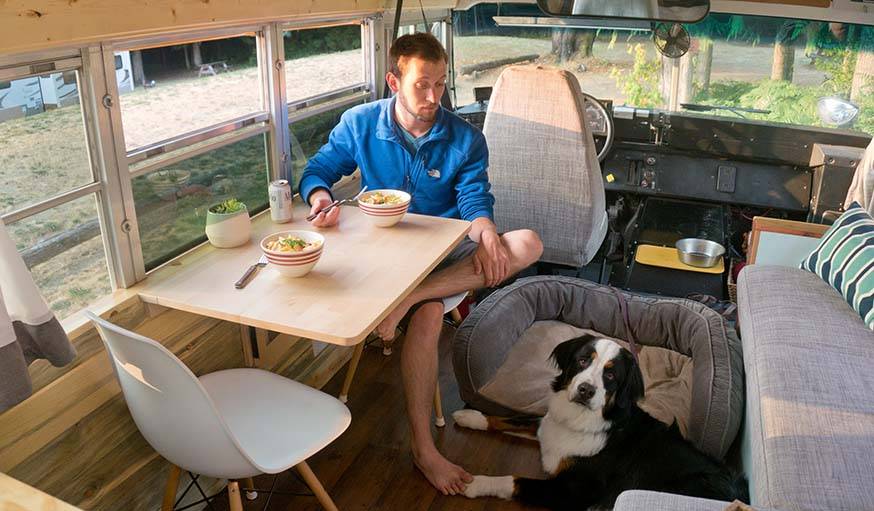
{"x": 227, "y": 207}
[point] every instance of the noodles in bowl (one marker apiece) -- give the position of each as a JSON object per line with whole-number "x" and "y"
{"x": 293, "y": 253}
{"x": 385, "y": 208}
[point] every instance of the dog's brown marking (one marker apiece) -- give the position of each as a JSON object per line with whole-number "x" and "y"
{"x": 608, "y": 365}
{"x": 508, "y": 426}
{"x": 563, "y": 465}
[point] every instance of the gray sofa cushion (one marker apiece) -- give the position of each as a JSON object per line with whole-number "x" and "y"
{"x": 809, "y": 428}
{"x": 639, "y": 500}
{"x": 483, "y": 342}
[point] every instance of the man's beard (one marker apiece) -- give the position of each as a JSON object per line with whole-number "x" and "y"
{"x": 410, "y": 111}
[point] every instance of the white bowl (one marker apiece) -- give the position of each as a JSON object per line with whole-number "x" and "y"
{"x": 385, "y": 215}
{"x": 294, "y": 264}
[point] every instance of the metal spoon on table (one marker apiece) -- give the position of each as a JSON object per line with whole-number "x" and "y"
{"x": 335, "y": 203}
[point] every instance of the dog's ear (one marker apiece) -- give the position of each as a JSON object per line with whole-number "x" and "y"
{"x": 563, "y": 354}
{"x": 563, "y": 357}
{"x": 631, "y": 388}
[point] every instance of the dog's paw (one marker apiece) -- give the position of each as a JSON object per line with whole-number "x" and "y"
{"x": 487, "y": 486}
{"x": 471, "y": 419}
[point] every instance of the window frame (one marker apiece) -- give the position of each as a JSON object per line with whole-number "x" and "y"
{"x": 113, "y": 167}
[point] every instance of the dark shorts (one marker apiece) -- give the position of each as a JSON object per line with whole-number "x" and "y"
{"x": 465, "y": 249}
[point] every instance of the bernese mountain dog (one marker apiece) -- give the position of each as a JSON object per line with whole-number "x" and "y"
{"x": 595, "y": 442}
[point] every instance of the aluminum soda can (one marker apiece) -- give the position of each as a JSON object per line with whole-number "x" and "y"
{"x": 280, "y": 201}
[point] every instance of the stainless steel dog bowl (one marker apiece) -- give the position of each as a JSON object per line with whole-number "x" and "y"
{"x": 699, "y": 252}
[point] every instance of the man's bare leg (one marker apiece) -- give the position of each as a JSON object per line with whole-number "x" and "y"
{"x": 419, "y": 370}
{"x": 524, "y": 247}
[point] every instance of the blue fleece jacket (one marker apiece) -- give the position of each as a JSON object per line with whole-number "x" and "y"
{"x": 446, "y": 177}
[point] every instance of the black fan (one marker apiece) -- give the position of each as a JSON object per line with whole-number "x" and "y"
{"x": 672, "y": 40}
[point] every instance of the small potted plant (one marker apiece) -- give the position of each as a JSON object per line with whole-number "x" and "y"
{"x": 228, "y": 224}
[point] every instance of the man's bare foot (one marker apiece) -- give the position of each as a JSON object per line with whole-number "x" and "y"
{"x": 447, "y": 477}
{"x": 386, "y": 330}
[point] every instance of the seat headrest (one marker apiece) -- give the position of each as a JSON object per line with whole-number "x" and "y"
{"x": 539, "y": 94}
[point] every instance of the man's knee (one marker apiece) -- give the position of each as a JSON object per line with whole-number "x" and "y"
{"x": 529, "y": 246}
{"x": 428, "y": 314}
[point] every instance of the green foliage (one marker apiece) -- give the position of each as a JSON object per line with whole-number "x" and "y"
{"x": 641, "y": 85}
{"x": 838, "y": 64}
{"x": 724, "y": 93}
{"x": 788, "y": 103}
{"x": 303, "y": 43}
{"x": 228, "y": 206}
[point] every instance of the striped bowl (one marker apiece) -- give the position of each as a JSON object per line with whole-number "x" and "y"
{"x": 294, "y": 264}
{"x": 385, "y": 215}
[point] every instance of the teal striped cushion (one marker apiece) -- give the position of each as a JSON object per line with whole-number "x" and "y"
{"x": 845, "y": 259}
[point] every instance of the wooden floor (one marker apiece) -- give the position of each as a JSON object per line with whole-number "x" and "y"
{"x": 370, "y": 467}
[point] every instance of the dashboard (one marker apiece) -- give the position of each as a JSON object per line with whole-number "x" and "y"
{"x": 698, "y": 157}
{"x": 649, "y": 171}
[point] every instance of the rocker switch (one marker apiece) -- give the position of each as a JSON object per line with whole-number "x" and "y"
{"x": 725, "y": 178}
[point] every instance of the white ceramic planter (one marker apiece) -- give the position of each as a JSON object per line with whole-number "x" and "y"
{"x": 228, "y": 230}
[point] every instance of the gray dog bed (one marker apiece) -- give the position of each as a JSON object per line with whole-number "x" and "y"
{"x": 500, "y": 353}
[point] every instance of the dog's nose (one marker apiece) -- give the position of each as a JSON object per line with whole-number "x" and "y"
{"x": 586, "y": 391}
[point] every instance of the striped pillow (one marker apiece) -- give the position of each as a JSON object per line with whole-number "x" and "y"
{"x": 845, "y": 259}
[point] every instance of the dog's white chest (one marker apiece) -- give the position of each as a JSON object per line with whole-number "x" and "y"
{"x": 558, "y": 441}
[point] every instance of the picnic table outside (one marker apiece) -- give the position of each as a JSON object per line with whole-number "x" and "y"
{"x": 212, "y": 68}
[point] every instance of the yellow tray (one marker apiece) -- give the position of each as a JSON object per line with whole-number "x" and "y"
{"x": 666, "y": 257}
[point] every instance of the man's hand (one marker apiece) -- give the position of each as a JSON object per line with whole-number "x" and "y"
{"x": 491, "y": 258}
{"x": 322, "y": 199}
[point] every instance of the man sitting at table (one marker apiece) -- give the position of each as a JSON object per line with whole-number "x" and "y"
{"x": 409, "y": 142}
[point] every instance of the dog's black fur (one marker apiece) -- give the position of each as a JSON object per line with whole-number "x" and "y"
{"x": 640, "y": 452}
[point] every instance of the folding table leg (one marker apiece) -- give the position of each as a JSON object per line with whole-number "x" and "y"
{"x": 350, "y": 372}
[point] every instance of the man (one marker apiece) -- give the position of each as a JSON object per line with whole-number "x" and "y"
{"x": 411, "y": 143}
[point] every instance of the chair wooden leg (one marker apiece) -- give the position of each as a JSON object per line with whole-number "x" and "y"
{"x": 456, "y": 316}
{"x": 171, "y": 488}
{"x": 438, "y": 408}
{"x": 249, "y": 487}
{"x": 350, "y": 372}
{"x": 234, "y": 496}
{"x": 317, "y": 488}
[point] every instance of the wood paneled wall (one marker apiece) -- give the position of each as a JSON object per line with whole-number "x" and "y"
{"x": 31, "y": 25}
{"x": 74, "y": 438}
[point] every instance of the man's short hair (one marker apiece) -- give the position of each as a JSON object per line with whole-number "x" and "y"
{"x": 422, "y": 45}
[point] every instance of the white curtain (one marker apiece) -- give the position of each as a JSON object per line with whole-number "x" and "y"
{"x": 18, "y": 292}
{"x": 28, "y": 329}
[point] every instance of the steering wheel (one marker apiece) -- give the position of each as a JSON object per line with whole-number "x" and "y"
{"x": 600, "y": 125}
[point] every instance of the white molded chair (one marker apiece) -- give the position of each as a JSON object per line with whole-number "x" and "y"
{"x": 231, "y": 424}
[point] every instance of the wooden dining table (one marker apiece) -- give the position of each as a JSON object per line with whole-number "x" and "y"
{"x": 363, "y": 274}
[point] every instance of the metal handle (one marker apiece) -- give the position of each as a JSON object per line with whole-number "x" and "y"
{"x": 323, "y": 210}
{"x": 240, "y": 284}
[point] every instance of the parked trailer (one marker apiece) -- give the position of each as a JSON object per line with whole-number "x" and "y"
{"x": 35, "y": 94}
